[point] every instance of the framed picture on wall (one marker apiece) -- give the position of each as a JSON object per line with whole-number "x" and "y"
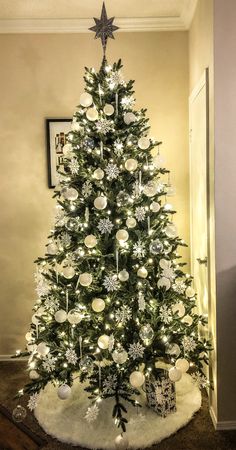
{"x": 56, "y": 131}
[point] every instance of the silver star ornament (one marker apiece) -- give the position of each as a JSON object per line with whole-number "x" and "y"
{"x": 104, "y": 28}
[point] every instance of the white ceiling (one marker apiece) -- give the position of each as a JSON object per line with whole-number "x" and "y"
{"x": 76, "y": 15}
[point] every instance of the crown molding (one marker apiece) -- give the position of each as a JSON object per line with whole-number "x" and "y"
{"x": 82, "y": 25}
{"x": 187, "y": 13}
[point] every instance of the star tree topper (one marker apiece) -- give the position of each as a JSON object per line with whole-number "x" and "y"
{"x": 104, "y": 28}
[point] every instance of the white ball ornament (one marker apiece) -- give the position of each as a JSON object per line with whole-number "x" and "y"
{"x": 131, "y": 222}
{"x": 108, "y": 109}
{"x": 179, "y": 308}
{"x": 120, "y": 356}
{"x": 188, "y": 320}
{"x": 85, "y": 279}
{"x": 136, "y": 379}
{"x": 142, "y": 272}
{"x": 158, "y": 161}
{"x": 182, "y": 364}
{"x": 67, "y": 149}
{"x": 86, "y": 99}
{"x": 165, "y": 264}
{"x": 103, "y": 341}
{"x": 98, "y": 305}
{"x": 171, "y": 230}
{"x": 90, "y": 241}
{"x": 100, "y": 202}
{"x": 92, "y": 114}
{"x": 174, "y": 350}
{"x": 150, "y": 189}
{"x": 175, "y": 374}
{"x": 70, "y": 194}
{"x": 155, "y": 206}
{"x": 129, "y": 118}
{"x": 98, "y": 174}
{"x": 74, "y": 316}
{"x": 143, "y": 143}
{"x": 121, "y": 442}
{"x": 52, "y": 249}
{"x": 190, "y": 292}
{"x": 131, "y": 164}
{"x": 42, "y": 349}
{"x": 64, "y": 392}
{"x": 68, "y": 272}
{"x": 164, "y": 282}
{"x": 60, "y": 316}
{"x": 33, "y": 374}
{"x": 123, "y": 275}
{"x": 122, "y": 235}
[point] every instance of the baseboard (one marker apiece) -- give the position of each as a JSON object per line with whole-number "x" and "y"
{"x": 222, "y": 425}
{"x": 9, "y": 358}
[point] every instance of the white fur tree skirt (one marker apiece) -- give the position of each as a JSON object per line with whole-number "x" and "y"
{"x": 64, "y": 419}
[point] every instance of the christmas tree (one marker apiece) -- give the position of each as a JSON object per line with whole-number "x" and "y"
{"x": 113, "y": 300}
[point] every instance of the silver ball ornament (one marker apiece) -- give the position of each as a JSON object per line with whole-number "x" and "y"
{"x": 85, "y": 279}
{"x": 68, "y": 272}
{"x": 19, "y": 413}
{"x": 156, "y": 247}
{"x": 100, "y": 202}
{"x": 143, "y": 143}
{"x": 131, "y": 222}
{"x": 60, "y": 316}
{"x": 129, "y": 117}
{"x": 182, "y": 364}
{"x": 108, "y": 109}
{"x": 123, "y": 275}
{"x": 92, "y": 114}
{"x": 42, "y": 349}
{"x": 136, "y": 379}
{"x": 98, "y": 305}
{"x": 64, "y": 391}
{"x": 98, "y": 174}
{"x": 120, "y": 356}
{"x": 86, "y": 99}
{"x": 146, "y": 333}
{"x": 74, "y": 316}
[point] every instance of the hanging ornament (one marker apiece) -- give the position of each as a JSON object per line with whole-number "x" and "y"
{"x": 33, "y": 374}
{"x": 19, "y": 413}
{"x": 142, "y": 272}
{"x": 86, "y": 99}
{"x": 121, "y": 442}
{"x": 165, "y": 264}
{"x": 131, "y": 222}
{"x": 182, "y": 364}
{"x": 164, "y": 282}
{"x": 175, "y": 374}
{"x": 71, "y": 223}
{"x": 171, "y": 230}
{"x": 42, "y": 349}
{"x": 70, "y": 194}
{"x": 103, "y": 342}
{"x": 98, "y": 174}
{"x": 179, "y": 309}
{"x": 170, "y": 191}
{"x": 131, "y": 164}
{"x": 68, "y": 272}
{"x": 90, "y": 241}
{"x": 67, "y": 149}
{"x": 100, "y": 202}
{"x": 108, "y": 109}
{"x": 173, "y": 350}
{"x": 86, "y": 364}
{"x": 98, "y": 305}
{"x": 85, "y": 279}
{"x": 156, "y": 247}
{"x": 122, "y": 235}
{"x": 146, "y": 333}
{"x": 136, "y": 379}
{"x": 129, "y": 117}
{"x": 74, "y": 316}
{"x": 155, "y": 207}
{"x": 52, "y": 249}
{"x": 64, "y": 391}
{"x": 120, "y": 356}
{"x": 190, "y": 292}
{"x": 60, "y": 316}
{"x": 150, "y": 189}
{"x": 158, "y": 161}
{"x": 123, "y": 275}
{"x": 188, "y": 320}
{"x": 92, "y": 114}
{"x": 143, "y": 143}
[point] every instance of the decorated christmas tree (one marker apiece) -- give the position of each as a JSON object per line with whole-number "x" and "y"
{"x": 114, "y": 305}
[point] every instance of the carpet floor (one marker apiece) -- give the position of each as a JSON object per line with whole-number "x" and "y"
{"x": 199, "y": 434}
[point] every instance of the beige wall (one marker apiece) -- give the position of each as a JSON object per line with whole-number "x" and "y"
{"x": 225, "y": 201}
{"x": 41, "y": 76}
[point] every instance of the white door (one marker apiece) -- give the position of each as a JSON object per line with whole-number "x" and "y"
{"x": 198, "y": 133}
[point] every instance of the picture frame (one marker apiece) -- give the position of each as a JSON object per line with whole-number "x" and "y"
{"x": 56, "y": 130}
